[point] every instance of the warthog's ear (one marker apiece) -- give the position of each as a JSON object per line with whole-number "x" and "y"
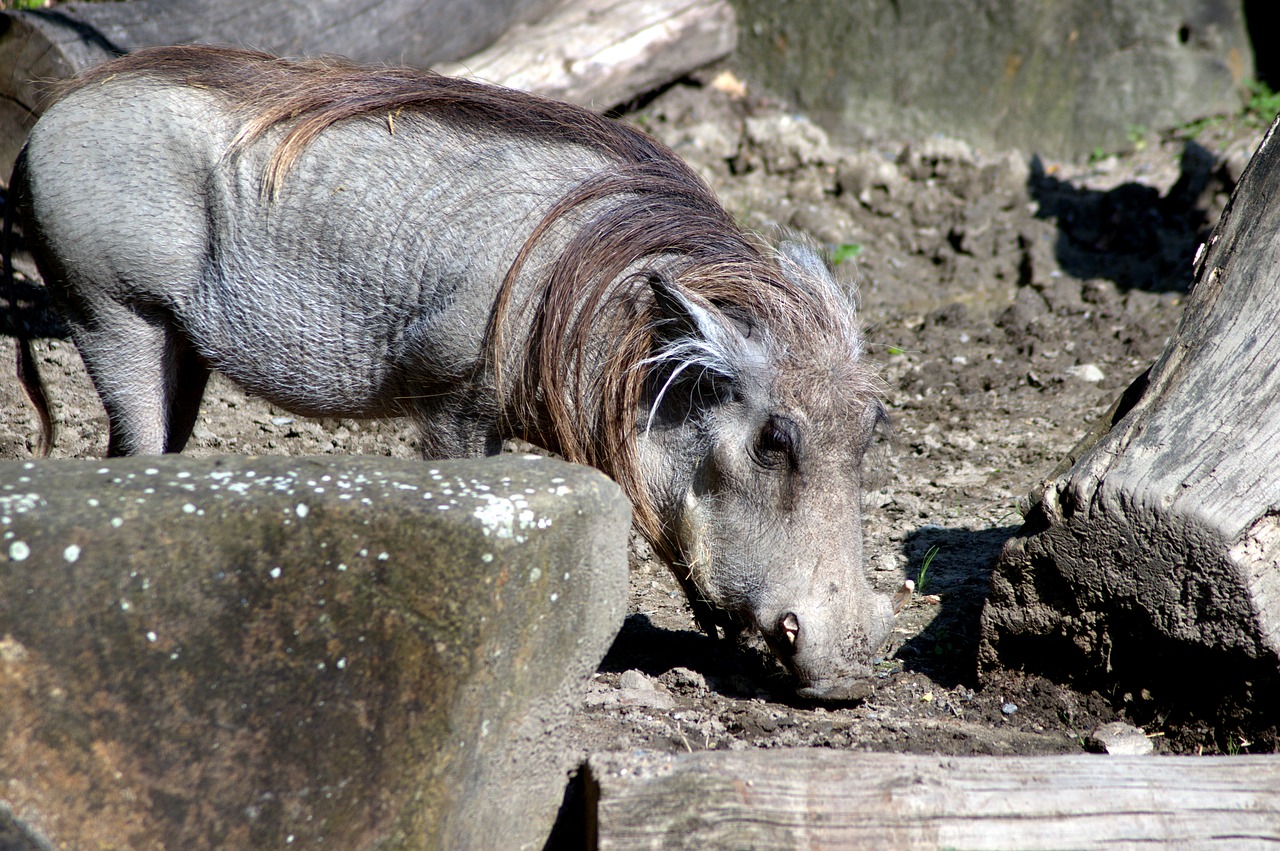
{"x": 687, "y": 320}
{"x": 806, "y": 259}
{"x": 695, "y": 341}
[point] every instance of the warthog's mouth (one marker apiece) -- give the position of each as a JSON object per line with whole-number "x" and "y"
{"x": 851, "y": 687}
{"x": 839, "y": 691}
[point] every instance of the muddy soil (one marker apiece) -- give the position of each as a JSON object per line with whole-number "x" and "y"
{"x": 1008, "y": 301}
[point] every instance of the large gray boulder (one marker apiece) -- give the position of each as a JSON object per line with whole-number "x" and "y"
{"x": 1061, "y": 77}
{"x": 265, "y": 652}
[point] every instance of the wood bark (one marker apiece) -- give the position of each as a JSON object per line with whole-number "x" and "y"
{"x": 594, "y": 52}
{"x": 1154, "y": 561}
{"x": 601, "y": 53}
{"x": 812, "y": 798}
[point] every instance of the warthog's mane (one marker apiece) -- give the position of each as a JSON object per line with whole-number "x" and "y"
{"x": 649, "y": 213}
{"x": 312, "y": 94}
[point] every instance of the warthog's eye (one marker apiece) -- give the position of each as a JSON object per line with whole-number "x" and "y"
{"x": 777, "y": 444}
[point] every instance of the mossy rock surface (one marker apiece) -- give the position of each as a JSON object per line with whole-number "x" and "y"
{"x": 1062, "y": 78}
{"x": 251, "y": 652}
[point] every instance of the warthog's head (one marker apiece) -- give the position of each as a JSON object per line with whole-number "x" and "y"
{"x": 753, "y": 454}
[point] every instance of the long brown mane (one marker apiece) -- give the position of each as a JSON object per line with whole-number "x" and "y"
{"x": 313, "y": 94}
{"x": 649, "y": 206}
{"x": 658, "y": 210}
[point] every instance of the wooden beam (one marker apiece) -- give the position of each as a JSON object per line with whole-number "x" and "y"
{"x": 601, "y": 53}
{"x": 598, "y": 53}
{"x": 815, "y": 798}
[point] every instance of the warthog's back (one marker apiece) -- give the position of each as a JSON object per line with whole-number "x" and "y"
{"x": 374, "y": 267}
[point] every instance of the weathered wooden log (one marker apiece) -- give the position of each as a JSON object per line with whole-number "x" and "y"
{"x": 812, "y": 798}
{"x": 1152, "y": 565}
{"x": 600, "y": 53}
{"x": 43, "y": 46}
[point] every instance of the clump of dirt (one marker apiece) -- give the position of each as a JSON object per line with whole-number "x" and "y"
{"x": 1008, "y": 301}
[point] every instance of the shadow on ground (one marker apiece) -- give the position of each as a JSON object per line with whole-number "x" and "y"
{"x": 959, "y": 573}
{"x": 642, "y": 645}
{"x": 1132, "y": 234}
{"x": 25, "y": 307}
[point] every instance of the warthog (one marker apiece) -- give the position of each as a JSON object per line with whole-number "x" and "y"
{"x": 351, "y": 242}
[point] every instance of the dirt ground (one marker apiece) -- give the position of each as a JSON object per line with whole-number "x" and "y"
{"x": 1008, "y": 301}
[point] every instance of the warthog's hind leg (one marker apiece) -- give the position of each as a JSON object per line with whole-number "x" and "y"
{"x": 149, "y": 379}
{"x": 190, "y": 375}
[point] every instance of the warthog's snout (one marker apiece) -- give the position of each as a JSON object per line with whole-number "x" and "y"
{"x": 829, "y": 649}
{"x": 838, "y": 691}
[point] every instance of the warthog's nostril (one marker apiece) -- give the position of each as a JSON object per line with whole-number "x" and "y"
{"x": 789, "y": 626}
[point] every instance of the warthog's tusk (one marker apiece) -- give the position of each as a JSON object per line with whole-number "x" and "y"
{"x": 903, "y": 595}
{"x": 791, "y": 627}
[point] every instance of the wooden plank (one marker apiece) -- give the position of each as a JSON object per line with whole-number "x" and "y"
{"x": 600, "y": 53}
{"x": 814, "y": 798}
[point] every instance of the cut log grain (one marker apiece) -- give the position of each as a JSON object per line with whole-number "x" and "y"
{"x": 601, "y": 53}
{"x": 1152, "y": 565}
{"x": 411, "y": 32}
{"x": 809, "y": 798}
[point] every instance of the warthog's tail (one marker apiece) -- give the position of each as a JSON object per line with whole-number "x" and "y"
{"x": 28, "y": 371}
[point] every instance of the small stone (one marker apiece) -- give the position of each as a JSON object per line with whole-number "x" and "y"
{"x": 636, "y": 689}
{"x": 684, "y": 678}
{"x": 634, "y": 679}
{"x": 730, "y": 85}
{"x": 1009, "y": 708}
{"x": 787, "y": 142}
{"x": 961, "y": 441}
{"x": 1119, "y": 739}
{"x": 903, "y": 595}
{"x": 861, "y": 173}
{"x": 1089, "y": 372}
{"x": 709, "y": 138}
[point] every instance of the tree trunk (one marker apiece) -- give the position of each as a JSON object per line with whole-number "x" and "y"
{"x": 1152, "y": 565}
{"x": 792, "y": 799}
